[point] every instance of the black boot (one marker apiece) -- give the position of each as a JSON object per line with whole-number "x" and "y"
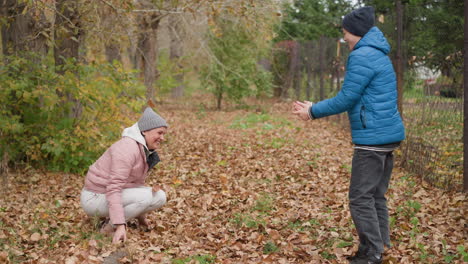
{"x": 358, "y": 258}
{"x": 374, "y": 259}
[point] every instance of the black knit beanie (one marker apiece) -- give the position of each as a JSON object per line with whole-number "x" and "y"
{"x": 359, "y": 21}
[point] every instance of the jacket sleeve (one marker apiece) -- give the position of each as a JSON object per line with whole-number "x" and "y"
{"x": 122, "y": 160}
{"x": 358, "y": 75}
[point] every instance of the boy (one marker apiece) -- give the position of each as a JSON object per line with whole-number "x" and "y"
{"x": 369, "y": 95}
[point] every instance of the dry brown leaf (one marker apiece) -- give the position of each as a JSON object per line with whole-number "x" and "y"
{"x": 3, "y": 255}
{"x": 287, "y": 185}
{"x": 35, "y": 237}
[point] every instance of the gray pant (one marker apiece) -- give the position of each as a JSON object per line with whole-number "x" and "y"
{"x": 370, "y": 177}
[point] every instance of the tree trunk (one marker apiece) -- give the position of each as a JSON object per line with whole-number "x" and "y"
{"x": 147, "y": 53}
{"x": 338, "y": 64}
{"x": 176, "y": 52}
{"x": 68, "y": 35}
{"x": 298, "y": 71}
{"x": 465, "y": 104}
{"x": 28, "y": 29}
{"x": 399, "y": 58}
{"x": 219, "y": 97}
{"x": 293, "y": 61}
{"x": 113, "y": 52}
{"x": 4, "y": 169}
{"x": 111, "y": 45}
{"x": 279, "y": 66}
{"x": 321, "y": 66}
{"x": 309, "y": 56}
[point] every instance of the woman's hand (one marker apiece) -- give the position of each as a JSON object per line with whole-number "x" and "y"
{"x": 156, "y": 188}
{"x": 119, "y": 234}
{"x": 301, "y": 109}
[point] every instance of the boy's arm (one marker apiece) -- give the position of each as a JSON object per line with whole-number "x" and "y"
{"x": 358, "y": 76}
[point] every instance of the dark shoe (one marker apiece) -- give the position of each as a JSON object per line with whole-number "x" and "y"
{"x": 374, "y": 260}
{"x": 358, "y": 258}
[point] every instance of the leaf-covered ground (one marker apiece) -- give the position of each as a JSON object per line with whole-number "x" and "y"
{"x": 253, "y": 186}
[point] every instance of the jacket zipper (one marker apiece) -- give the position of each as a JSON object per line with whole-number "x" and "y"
{"x": 363, "y": 116}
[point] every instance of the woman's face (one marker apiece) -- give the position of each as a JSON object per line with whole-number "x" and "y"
{"x": 350, "y": 39}
{"x": 154, "y": 137}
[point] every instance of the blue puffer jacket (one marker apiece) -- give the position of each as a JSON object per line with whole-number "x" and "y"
{"x": 369, "y": 94}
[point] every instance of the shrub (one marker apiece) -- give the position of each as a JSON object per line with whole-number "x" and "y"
{"x": 63, "y": 121}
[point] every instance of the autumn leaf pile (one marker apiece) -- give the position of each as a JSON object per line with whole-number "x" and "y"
{"x": 243, "y": 186}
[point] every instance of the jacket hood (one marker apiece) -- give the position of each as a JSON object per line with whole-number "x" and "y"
{"x": 374, "y": 38}
{"x": 134, "y": 133}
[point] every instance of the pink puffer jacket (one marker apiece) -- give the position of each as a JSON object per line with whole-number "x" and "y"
{"x": 122, "y": 166}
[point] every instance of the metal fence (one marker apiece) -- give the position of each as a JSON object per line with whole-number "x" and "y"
{"x": 433, "y": 148}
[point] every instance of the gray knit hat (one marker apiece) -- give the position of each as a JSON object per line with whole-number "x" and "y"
{"x": 150, "y": 120}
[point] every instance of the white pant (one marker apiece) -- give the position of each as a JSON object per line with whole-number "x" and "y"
{"x": 135, "y": 201}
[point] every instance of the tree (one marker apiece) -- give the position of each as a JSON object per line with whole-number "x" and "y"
{"x": 465, "y": 104}
{"x": 68, "y": 37}
{"x": 233, "y": 72}
{"x": 110, "y": 26}
{"x": 433, "y": 27}
{"x": 176, "y": 32}
{"x": 399, "y": 57}
{"x": 26, "y": 28}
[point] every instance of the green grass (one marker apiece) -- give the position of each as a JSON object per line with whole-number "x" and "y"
{"x": 304, "y": 225}
{"x": 247, "y": 220}
{"x": 270, "y": 247}
{"x": 200, "y": 259}
{"x": 264, "y": 204}
{"x": 263, "y": 121}
{"x": 343, "y": 244}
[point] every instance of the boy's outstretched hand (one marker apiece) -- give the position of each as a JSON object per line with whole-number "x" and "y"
{"x": 301, "y": 109}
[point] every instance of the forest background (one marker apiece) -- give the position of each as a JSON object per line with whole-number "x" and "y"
{"x": 73, "y": 74}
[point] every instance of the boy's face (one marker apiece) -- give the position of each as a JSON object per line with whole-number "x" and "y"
{"x": 350, "y": 39}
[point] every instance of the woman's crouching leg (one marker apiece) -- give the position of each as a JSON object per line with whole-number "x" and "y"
{"x": 138, "y": 201}
{"x": 94, "y": 204}
{"x": 159, "y": 200}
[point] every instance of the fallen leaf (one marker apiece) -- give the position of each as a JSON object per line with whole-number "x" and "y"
{"x": 35, "y": 237}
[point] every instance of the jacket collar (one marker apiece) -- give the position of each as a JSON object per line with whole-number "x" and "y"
{"x": 134, "y": 133}
{"x": 375, "y": 39}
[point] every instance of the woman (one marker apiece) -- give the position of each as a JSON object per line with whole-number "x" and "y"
{"x": 114, "y": 185}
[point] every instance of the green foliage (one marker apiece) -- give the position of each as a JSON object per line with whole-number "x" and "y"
{"x": 311, "y": 19}
{"x": 234, "y": 71}
{"x": 433, "y": 33}
{"x": 63, "y": 121}
{"x": 168, "y": 70}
